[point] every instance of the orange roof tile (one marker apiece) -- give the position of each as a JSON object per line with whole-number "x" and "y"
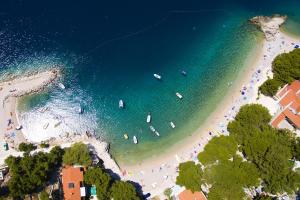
{"x": 295, "y": 119}
{"x": 188, "y": 195}
{"x": 295, "y": 86}
{"x": 277, "y": 120}
{"x": 72, "y": 179}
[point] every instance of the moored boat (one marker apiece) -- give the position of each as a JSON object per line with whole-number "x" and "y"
{"x": 61, "y": 86}
{"x": 121, "y": 103}
{"x": 57, "y": 124}
{"x": 179, "y": 95}
{"x": 19, "y": 127}
{"x": 156, "y": 133}
{"x": 135, "y": 140}
{"x": 183, "y": 73}
{"x": 157, "y": 76}
{"x": 152, "y": 128}
{"x": 46, "y": 125}
{"x": 172, "y": 125}
{"x": 148, "y": 118}
{"x": 125, "y": 136}
{"x": 80, "y": 110}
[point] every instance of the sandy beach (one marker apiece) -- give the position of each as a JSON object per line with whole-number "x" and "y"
{"x": 157, "y": 174}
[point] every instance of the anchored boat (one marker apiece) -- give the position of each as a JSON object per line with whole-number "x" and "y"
{"x": 148, "y": 118}
{"x": 61, "y": 86}
{"x": 157, "y": 76}
{"x": 121, "y": 104}
{"x": 135, "y": 140}
{"x": 152, "y": 128}
{"x": 179, "y": 95}
{"x": 172, "y": 125}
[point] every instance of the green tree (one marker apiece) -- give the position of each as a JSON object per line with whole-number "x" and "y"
{"x": 26, "y": 147}
{"x": 123, "y": 191}
{"x": 251, "y": 118}
{"x": 296, "y": 148}
{"x": 190, "y": 176}
{"x": 168, "y": 193}
{"x": 270, "y": 87}
{"x": 286, "y": 69}
{"x": 99, "y": 178}
{"x": 78, "y": 154}
{"x": 268, "y": 148}
{"x": 218, "y": 148}
{"x": 44, "y": 195}
{"x": 30, "y": 173}
{"x": 228, "y": 178}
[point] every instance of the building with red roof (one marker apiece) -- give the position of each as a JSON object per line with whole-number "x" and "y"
{"x": 72, "y": 181}
{"x": 288, "y": 115}
{"x": 189, "y": 195}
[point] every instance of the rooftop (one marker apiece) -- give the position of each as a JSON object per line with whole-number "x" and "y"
{"x": 72, "y": 180}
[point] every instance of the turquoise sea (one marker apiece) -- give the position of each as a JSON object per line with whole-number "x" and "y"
{"x": 109, "y": 51}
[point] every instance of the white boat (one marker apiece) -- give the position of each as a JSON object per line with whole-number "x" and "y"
{"x": 61, "y": 86}
{"x": 57, "y": 124}
{"x": 80, "y": 110}
{"x": 135, "y": 140}
{"x": 157, "y": 76}
{"x": 183, "y": 73}
{"x": 44, "y": 109}
{"x": 121, "y": 104}
{"x": 152, "y": 128}
{"x": 172, "y": 125}
{"x": 19, "y": 127}
{"x": 46, "y": 125}
{"x": 179, "y": 95}
{"x": 149, "y": 118}
{"x": 156, "y": 133}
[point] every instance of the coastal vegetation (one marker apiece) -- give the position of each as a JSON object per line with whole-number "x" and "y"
{"x": 254, "y": 154}
{"x": 77, "y": 154}
{"x": 107, "y": 187}
{"x": 31, "y": 172}
{"x": 286, "y": 69}
{"x": 190, "y": 175}
{"x": 99, "y": 178}
{"x": 26, "y": 147}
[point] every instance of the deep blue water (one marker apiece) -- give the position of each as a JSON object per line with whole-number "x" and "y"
{"x": 109, "y": 51}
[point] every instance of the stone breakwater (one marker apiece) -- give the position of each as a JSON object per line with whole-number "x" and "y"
{"x": 269, "y": 25}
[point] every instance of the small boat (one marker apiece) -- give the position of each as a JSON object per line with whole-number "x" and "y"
{"x": 80, "y": 110}
{"x": 179, "y": 95}
{"x": 157, "y": 76}
{"x": 149, "y": 117}
{"x": 57, "y": 124}
{"x": 44, "y": 109}
{"x": 46, "y": 125}
{"x": 183, "y": 73}
{"x": 19, "y": 127}
{"x": 172, "y": 125}
{"x": 152, "y": 128}
{"x": 121, "y": 104}
{"x": 61, "y": 86}
{"x": 156, "y": 133}
{"x": 125, "y": 136}
{"x": 135, "y": 140}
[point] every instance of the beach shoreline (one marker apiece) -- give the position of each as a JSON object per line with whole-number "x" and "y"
{"x": 159, "y": 173}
